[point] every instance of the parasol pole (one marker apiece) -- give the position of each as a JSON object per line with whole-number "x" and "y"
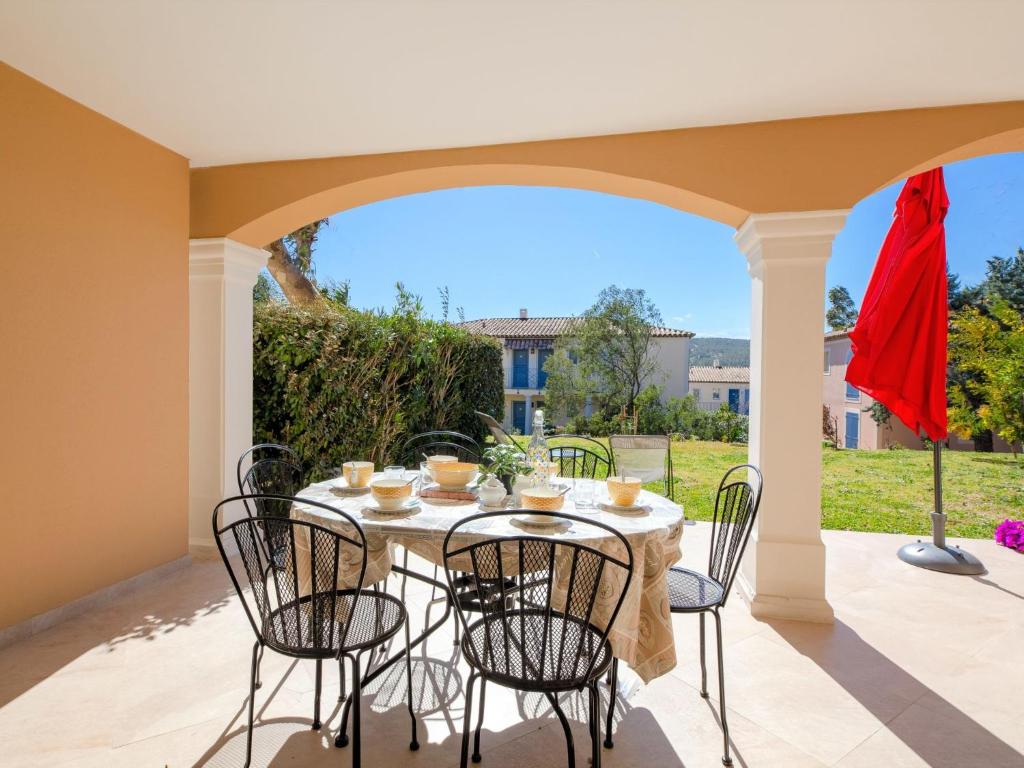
{"x": 938, "y": 516}
{"x": 936, "y": 555}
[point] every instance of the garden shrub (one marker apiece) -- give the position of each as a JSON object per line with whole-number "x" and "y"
{"x": 338, "y": 384}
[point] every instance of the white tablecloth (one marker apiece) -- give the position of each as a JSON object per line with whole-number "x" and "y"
{"x": 642, "y": 635}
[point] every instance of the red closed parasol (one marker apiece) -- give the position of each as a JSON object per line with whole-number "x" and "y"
{"x": 899, "y": 342}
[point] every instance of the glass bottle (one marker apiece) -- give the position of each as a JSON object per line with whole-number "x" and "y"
{"x": 537, "y": 451}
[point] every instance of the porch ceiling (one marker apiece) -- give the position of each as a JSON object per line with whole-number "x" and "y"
{"x": 235, "y": 81}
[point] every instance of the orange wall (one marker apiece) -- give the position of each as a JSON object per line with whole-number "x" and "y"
{"x": 94, "y": 343}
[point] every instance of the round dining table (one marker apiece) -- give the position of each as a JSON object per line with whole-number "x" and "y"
{"x": 642, "y": 634}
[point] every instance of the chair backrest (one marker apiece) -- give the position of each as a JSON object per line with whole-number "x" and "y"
{"x": 648, "y": 457}
{"x": 260, "y": 452}
{"x": 439, "y": 441}
{"x": 736, "y": 505}
{"x": 579, "y": 456}
{"x": 565, "y": 599}
{"x": 501, "y": 437}
{"x": 273, "y": 476}
{"x": 296, "y": 605}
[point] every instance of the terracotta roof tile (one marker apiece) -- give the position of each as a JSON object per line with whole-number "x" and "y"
{"x": 709, "y": 374}
{"x": 540, "y": 327}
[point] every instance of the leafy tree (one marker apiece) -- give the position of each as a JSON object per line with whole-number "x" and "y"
{"x": 829, "y": 426}
{"x": 842, "y": 312}
{"x": 614, "y": 345}
{"x": 291, "y": 264}
{"x": 265, "y": 290}
{"x": 879, "y": 413}
{"x": 991, "y": 347}
{"x": 568, "y": 385}
{"x": 1004, "y": 278}
{"x": 335, "y": 292}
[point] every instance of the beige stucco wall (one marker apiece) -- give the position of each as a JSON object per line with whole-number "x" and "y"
{"x": 94, "y": 337}
{"x": 723, "y": 172}
{"x": 673, "y": 375}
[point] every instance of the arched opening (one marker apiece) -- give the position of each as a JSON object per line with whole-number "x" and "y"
{"x": 273, "y": 224}
{"x": 786, "y": 255}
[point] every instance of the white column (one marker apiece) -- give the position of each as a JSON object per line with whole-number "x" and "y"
{"x": 222, "y": 274}
{"x": 528, "y": 421}
{"x": 783, "y": 572}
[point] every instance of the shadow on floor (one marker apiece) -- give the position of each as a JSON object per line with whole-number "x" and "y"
{"x": 937, "y": 731}
{"x": 145, "y": 613}
{"x": 990, "y": 583}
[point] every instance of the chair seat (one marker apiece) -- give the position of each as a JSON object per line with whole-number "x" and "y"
{"x": 513, "y": 646}
{"x": 692, "y": 591}
{"x": 310, "y": 632}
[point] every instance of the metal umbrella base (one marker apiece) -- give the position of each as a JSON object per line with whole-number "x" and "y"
{"x": 948, "y": 559}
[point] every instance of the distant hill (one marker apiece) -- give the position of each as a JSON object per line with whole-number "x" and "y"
{"x": 704, "y": 351}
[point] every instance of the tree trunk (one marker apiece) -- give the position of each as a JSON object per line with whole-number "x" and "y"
{"x": 295, "y": 286}
{"x": 983, "y": 441}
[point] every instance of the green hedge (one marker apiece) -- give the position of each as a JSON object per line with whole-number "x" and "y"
{"x": 339, "y": 384}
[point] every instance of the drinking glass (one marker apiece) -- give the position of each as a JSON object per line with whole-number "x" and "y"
{"x": 394, "y": 472}
{"x": 583, "y": 493}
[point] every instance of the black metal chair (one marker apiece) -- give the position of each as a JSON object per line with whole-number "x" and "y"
{"x": 321, "y": 620}
{"x": 543, "y": 636}
{"x": 736, "y": 505}
{"x": 439, "y": 441}
{"x": 580, "y": 456}
{"x": 648, "y": 457}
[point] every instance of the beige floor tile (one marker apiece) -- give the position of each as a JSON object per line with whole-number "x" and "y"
{"x": 916, "y": 671}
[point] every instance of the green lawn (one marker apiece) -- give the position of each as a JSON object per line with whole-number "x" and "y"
{"x": 884, "y": 491}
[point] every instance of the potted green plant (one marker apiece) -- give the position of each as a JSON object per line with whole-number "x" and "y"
{"x": 505, "y": 462}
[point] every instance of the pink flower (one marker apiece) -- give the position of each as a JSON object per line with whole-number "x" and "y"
{"x": 1010, "y": 533}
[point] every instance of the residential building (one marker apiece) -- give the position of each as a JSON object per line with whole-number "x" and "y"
{"x": 851, "y": 409}
{"x": 715, "y": 385}
{"x": 527, "y": 343}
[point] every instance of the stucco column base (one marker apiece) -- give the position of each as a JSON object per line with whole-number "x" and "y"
{"x": 779, "y": 557}
{"x": 222, "y": 274}
{"x": 783, "y": 572}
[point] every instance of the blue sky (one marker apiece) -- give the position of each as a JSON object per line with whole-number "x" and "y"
{"x": 552, "y": 250}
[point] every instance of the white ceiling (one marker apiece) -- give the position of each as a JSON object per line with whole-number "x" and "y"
{"x": 229, "y": 81}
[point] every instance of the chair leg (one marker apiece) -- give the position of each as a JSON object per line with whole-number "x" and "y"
{"x": 341, "y": 679}
{"x": 595, "y": 725}
{"x": 316, "y": 698}
{"x": 703, "y": 664}
{"x": 341, "y": 740}
{"x": 414, "y": 744}
{"x": 259, "y": 661}
{"x": 479, "y": 721}
{"x": 466, "y": 721}
{"x": 569, "y": 744}
{"x": 253, "y": 672}
{"x": 405, "y": 579}
{"x": 357, "y": 733}
{"x": 613, "y": 695}
{"x": 726, "y": 759}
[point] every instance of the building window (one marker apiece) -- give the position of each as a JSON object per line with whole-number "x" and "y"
{"x": 716, "y": 394}
{"x": 696, "y": 394}
{"x": 828, "y": 363}
{"x": 852, "y": 393}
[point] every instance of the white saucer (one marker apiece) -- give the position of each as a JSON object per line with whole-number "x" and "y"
{"x": 344, "y": 490}
{"x": 407, "y": 506}
{"x": 635, "y": 509}
{"x": 524, "y": 521}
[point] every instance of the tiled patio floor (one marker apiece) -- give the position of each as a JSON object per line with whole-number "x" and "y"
{"x": 918, "y": 669}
